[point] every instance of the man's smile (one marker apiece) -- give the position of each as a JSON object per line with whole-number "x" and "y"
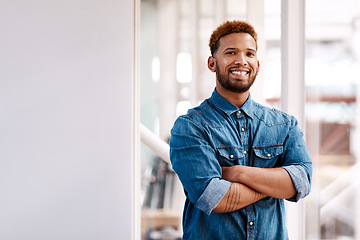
{"x": 236, "y": 73}
{"x": 241, "y": 73}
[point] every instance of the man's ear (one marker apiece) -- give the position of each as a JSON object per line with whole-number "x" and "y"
{"x": 212, "y": 64}
{"x": 258, "y": 69}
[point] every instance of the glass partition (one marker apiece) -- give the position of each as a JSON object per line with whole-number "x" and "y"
{"x": 332, "y": 116}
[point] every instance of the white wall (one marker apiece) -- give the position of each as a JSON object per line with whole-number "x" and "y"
{"x": 66, "y": 113}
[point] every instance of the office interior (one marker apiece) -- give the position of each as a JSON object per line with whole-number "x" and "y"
{"x": 81, "y": 81}
{"x": 174, "y": 78}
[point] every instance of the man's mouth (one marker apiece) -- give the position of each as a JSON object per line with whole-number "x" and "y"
{"x": 239, "y": 72}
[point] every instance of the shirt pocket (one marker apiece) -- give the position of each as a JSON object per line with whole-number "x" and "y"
{"x": 230, "y": 155}
{"x": 267, "y": 156}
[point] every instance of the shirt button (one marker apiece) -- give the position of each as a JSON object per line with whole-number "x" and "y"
{"x": 242, "y": 129}
{"x": 269, "y": 155}
{"x": 245, "y": 152}
{"x": 251, "y": 223}
{"x": 239, "y": 111}
{"x": 231, "y": 156}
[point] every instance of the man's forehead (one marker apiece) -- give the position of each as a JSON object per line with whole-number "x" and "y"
{"x": 234, "y": 40}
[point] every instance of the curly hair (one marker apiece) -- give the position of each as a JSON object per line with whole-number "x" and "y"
{"x": 229, "y": 27}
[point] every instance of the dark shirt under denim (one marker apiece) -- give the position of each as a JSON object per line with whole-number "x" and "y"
{"x": 217, "y": 133}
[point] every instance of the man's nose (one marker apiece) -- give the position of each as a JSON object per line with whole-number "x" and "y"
{"x": 240, "y": 59}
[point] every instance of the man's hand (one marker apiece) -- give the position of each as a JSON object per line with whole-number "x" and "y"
{"x": 231, "y": 173}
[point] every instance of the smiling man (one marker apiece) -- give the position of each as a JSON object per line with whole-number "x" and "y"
{"x": 237, "y": 160}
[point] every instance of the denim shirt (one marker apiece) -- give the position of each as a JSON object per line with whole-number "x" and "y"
{"x": 217, "y": 133}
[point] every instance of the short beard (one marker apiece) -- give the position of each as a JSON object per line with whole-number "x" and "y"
{"x": 231, "y": 86}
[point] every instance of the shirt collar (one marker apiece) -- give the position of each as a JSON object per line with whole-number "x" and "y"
{"x": 228, "y": 108}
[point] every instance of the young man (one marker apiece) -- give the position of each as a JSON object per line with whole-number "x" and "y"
{"x": 237, "y": 160}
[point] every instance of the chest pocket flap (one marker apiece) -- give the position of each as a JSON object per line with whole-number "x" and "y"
{"x": 268, "y": 152}
{"x": 228, "y": 155}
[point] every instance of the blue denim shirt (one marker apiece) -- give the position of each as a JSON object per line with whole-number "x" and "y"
{"x": 217, "y": 133}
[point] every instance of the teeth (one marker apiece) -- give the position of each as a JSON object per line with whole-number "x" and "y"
{"x": 243, "y": 73}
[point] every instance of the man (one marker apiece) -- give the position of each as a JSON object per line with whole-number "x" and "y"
{"x": 237, "y": 160}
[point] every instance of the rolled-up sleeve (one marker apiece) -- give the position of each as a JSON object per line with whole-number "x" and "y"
{"x": 196, "y": 164}
{"x": 301, "y": 183}
{"x": 212, "y": 195}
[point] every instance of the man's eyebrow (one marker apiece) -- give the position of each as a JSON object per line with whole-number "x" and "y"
{"x": 228, "y": 49}
{"x": 232, "y": 49}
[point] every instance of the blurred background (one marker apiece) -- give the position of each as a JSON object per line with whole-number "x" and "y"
{"x": 174, "y": 77}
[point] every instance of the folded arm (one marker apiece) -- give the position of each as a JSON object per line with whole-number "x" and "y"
{"x": 237, "y": 197}
{"x": 273, "y": 182}
{"x": 250, "y": 184}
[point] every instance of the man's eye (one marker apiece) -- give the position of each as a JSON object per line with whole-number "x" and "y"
{"x": 230, "y": 53}
{"x": 250, "y": 54}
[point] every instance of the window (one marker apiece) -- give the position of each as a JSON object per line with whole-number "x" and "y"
{"x": 332, "y": 82}
{"x": 174, "y": 77}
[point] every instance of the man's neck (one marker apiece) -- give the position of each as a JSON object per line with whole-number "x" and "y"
{"x": 238, "y": 99}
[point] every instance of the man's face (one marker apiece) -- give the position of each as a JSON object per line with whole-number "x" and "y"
{"x": 235, "y": 62}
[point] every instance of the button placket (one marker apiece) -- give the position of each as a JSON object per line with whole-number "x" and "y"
{"x": 250, "y": 210}
{"x": 243, "y": 134}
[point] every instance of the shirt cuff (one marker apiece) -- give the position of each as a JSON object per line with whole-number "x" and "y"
{"x": 301, "y": 182}
{"x": 212, "y": 195}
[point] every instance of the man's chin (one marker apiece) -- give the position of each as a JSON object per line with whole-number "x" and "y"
{"x": 236, "y": 89}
